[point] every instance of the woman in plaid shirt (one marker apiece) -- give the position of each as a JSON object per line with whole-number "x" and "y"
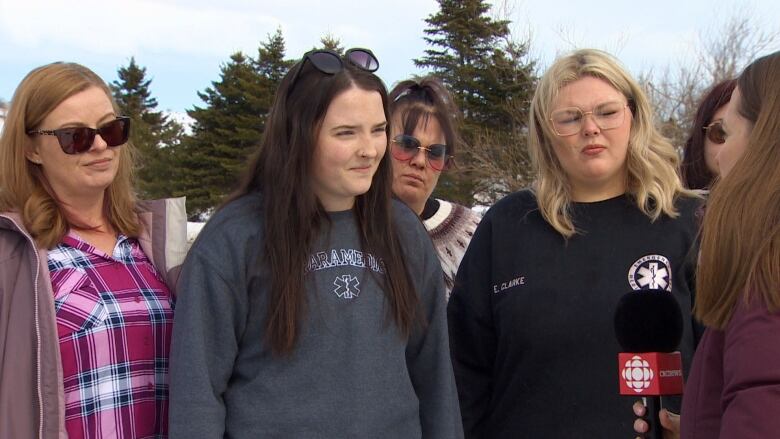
{"x": 85, "y": 304}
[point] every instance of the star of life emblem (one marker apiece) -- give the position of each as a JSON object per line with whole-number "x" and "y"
{"x": 651, "y": 272}
{"x": 347, "y": 286}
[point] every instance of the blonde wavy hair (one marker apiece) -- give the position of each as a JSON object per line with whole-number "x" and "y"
{"x": 23, "y": 186}
{"x": 652, "y": 162}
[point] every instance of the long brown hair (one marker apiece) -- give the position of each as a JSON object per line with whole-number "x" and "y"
{"x": 23, "y": 186}
{"x": 281, "y": 171}
{"x": 740, "y": 248}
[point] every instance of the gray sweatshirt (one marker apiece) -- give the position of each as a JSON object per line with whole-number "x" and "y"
{"x": 351, "y": 374}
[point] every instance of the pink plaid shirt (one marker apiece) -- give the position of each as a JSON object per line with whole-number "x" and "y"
{"x": 114, "y": 320}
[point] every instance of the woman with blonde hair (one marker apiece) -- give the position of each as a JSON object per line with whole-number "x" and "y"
{"x": 531, "y": 315}
{"x": 85, "y": 271}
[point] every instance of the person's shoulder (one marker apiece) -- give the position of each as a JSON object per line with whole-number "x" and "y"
{"x": 410, "y": 229}
{"x": 691, "y": 201}
{"x": 12, "y": 235}
{"x": 12, "y": 221}
{"x": 514, "y": 206}
{"x": 690, "y": 207}
{"x": 462, "y": 212}
{"x": 238, "y": 222}
{"x": 403, "y": 215}
{"x": 249, "y": 205}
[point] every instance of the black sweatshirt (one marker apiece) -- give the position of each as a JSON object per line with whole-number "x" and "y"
{"x": 531, "y": 314}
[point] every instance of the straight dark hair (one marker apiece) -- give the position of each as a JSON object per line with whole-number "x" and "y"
{"x": 281, "y": 170}
{"x": 694, "y": 169}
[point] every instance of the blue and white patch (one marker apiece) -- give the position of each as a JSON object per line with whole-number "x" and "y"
{"x": 651, "y": 272}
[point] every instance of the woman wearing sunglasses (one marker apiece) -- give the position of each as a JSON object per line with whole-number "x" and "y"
{"x": 531, "y": 315}
{"x": 733, "y": 390}
{"x": 86, "y": 272}
{"x": 423, "y": 143}
{"x": 699, "y": 166}
{"x": 315, "y": 303}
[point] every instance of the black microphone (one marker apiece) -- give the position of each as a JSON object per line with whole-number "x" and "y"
{"x": 648, "y": 327}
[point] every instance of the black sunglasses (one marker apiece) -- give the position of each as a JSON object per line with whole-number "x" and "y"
{"x": 330, "y": 62}
{"x": 715, "y": 132}
{"x": 406, "y": 147}
{"x": 76, "y": 140}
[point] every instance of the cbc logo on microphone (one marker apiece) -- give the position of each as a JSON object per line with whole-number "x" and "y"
{"x": 637, "y": 374}
{"x": 650, "y": 373}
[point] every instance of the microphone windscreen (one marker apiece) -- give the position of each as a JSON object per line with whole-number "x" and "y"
{"x": 648, "y": 321}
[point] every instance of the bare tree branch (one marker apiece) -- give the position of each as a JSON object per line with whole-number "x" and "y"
{"x": 726, "y": 51}
{"x": 722, "y": 52}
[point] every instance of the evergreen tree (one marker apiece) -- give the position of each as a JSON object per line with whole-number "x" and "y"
{"x": 270, "y": 63}
{"x": 463, "y": 39}
{"x": 153, "y": 133}
{"x": 330, "y": 42}
{"x": 224, "y": 133}
{"x": 492, "y": 81}
{"x": 230, "y": 125}
{"x": 271, "y": 66}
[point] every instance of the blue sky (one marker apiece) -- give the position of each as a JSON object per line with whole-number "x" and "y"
{"x": 182, "y": 43}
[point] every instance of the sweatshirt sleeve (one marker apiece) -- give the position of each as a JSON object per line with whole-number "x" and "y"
{"x": 428, "y": 354}
{"x": 208, "y": 321}
{"x": 471, "y": 331}
{"x": 751, "y": 378}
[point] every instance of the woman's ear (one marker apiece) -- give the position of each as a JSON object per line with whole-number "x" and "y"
{"x": 32, "y": 154}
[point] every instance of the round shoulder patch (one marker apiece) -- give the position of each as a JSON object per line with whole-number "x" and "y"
{"x": 651, "y": 272}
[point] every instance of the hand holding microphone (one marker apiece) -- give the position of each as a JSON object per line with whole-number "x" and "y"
{"x": 669, "y": 421}
{"x": 648, "y": 326}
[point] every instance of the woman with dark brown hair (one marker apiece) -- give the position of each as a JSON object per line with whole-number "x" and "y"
{"x": 315, "y": 303}
{"x": 424, "y": 142}
{"x": 699, "y": 167}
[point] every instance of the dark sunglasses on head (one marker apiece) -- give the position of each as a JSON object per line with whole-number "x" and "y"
{"x": 715, "y": 132}
{"x": 330, "y": 62}
{"x": 75, "y": 140}
{"x": 405, "y": 147}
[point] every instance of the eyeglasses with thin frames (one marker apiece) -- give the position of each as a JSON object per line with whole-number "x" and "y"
{"x": 607, "y": 116}
{"x": 406, "y": 147}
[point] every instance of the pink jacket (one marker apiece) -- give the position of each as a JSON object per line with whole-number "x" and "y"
{"x": 31, "y": 388}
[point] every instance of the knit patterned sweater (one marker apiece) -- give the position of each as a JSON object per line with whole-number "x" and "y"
{"x": 451, "y": 227}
